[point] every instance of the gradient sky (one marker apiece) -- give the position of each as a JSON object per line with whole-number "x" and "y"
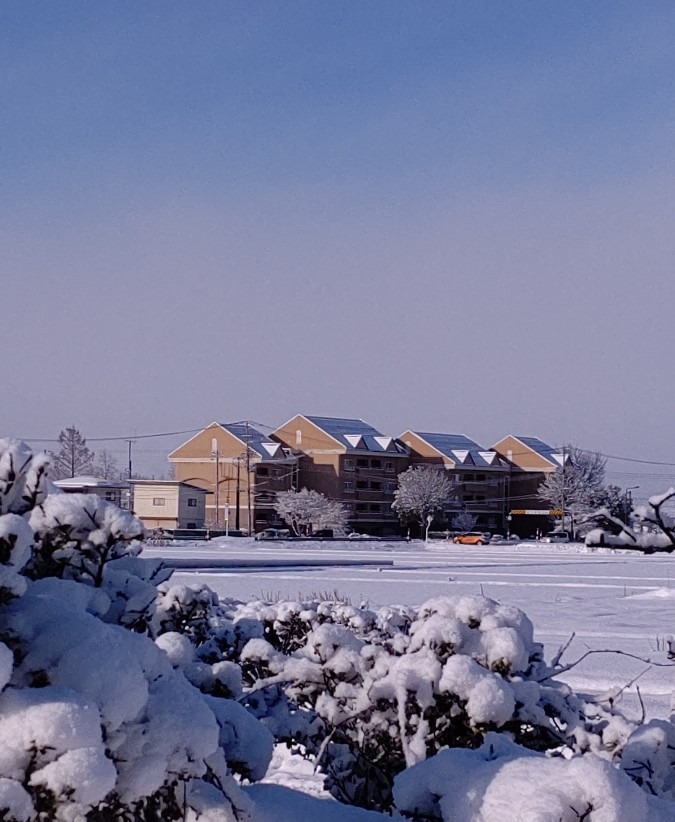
{"x": 450, "y": 216}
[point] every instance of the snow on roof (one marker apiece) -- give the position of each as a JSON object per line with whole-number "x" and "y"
{"x": 87, "y": 481}
{"x": 256, "y": 440}
{"x": 461, "y": 449}
{"x": 356, "y": 434}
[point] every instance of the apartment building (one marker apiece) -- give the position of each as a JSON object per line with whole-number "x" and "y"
{"x": 350, "y": 461}
{"x": 531, "y": 460}
{"x": 241, "y": 470}
{"x": 479, "y": 476}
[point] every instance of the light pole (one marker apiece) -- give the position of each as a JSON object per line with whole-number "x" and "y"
{"x": 628, "y": 502}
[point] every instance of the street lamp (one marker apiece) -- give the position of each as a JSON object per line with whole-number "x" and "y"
{"x": 628, "y": 501}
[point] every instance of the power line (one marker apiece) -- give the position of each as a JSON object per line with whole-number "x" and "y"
{"x": 127, "y": 437}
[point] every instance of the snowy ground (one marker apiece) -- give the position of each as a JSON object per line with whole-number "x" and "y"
{"x": 620, "y": 601}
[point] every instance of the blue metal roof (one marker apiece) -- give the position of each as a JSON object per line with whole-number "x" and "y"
{"x": 342, "y": 427}
{"x": 540, "y": 447}
{"x": 251, "y": 436}
{"x": 449, "y": 444}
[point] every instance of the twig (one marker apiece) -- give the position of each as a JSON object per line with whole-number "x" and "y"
{"x": 643, "y": 712}
{"x": 565, "y": 668}
{"x": 556, "y": 659}
{"x": 615, "y": 697}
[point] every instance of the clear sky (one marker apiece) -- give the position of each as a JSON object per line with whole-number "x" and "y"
{"x": 450, "y": 216}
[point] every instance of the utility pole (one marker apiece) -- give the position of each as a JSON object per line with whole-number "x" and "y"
{"x": 129, "y": 443}
{"x": 236, "y": 510}
{"x": 562, "y": 491}
{"x": 251, "y": 529}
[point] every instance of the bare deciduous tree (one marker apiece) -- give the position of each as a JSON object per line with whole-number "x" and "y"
{"x": 106, "y": 466}
{"x": 573, "y": 487}
{"x": 423, "y": 491}
{"x": 464, "y": 521}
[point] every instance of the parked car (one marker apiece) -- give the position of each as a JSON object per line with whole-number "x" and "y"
{"x": 496, "y": 538}
{"x": 556, "y": 536}
{"x": 273, "y": 533}
{"x": 470, "y": 538}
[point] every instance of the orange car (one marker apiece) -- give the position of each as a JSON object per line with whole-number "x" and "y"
{"x": 471, "y": 538}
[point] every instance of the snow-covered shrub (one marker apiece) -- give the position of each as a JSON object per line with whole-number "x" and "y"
{"x": 76, "y": 535}
{"x": 649, "y": 758}
{"x": 502, "y": 780}
{"x": 99, "y": 722}
{"x": 382, "y": 691}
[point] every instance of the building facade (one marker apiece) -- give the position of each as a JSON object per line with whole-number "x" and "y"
{"x": 241, "y": 470}
{"x": 480, "y": 478}
{"x": 531, "y": 461}
{"x": 115, "y": 491}
{"x": 349, "y": 461}
{"x": 169, "y": 504}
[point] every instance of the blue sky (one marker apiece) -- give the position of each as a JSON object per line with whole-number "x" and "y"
{"x": 449, "y": 216}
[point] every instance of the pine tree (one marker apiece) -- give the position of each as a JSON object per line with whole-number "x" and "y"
{"x": 72, "y": 457}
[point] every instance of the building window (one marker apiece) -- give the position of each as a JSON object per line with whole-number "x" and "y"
{"x": 376, "y": 463}
{"x": 480, "y": 477}
{"x": 374, "y": 506}
{"x": 469, "y": 477}
{"x": 192, "y": 502}
{"x": 361, "y": 463}
{"x": 376, "y": 486}
{"x": 191, "y": 525}
{"x": 361, "y": 506}
{"x": 389, "y": 466}
{"x": 263, "y": 471}
{"x": 349, "y": 465}
{"x": 159, "y": 500}
{"x": 349, "y": 486}
{"x": 361, "y": 485}
{"x": 298, "y": 437}
{"x": 111, "y": 496}
{"x": 390, "y": 487}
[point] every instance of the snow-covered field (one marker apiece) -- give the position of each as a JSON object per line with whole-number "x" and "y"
{"x": 619, "y": 601}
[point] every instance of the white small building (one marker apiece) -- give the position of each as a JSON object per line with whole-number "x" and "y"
{"x": 116, "y": 491}
{"x": 169, "y": 504}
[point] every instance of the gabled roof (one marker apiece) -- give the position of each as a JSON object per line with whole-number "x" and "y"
{"x": 257, "y": 441}
{"x": 356, "y": 435}
{"x": 461, "y": 450}
{"x": 548, "y": 452}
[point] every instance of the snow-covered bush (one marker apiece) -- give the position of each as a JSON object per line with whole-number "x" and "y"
{"x": 501, "y": 780}
{"x": 382, "y": 691}
{"x": 99, "y": 722}
{"x": 658, "y": 534}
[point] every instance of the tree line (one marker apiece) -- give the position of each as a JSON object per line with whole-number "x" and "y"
{"x": 73, "y": 458}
